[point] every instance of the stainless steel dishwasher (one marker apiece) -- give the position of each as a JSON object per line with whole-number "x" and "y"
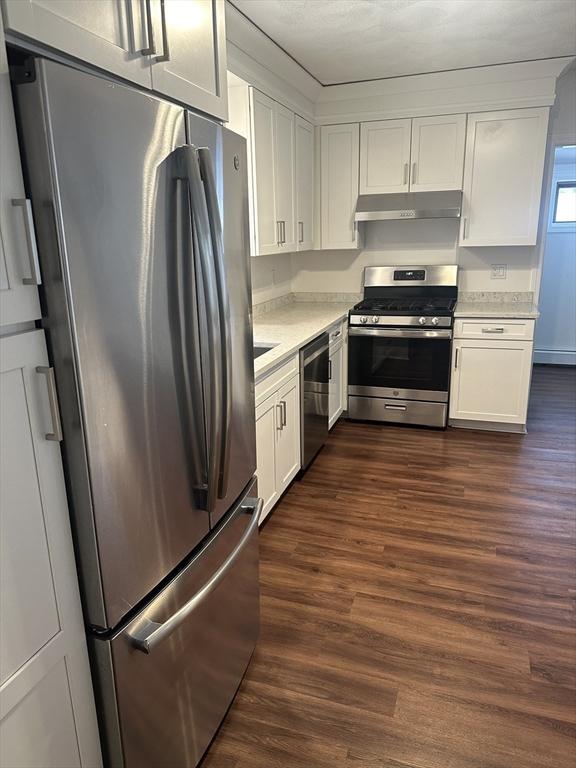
{"x": 314, "y": 397}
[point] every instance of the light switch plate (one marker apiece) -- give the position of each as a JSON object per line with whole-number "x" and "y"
{"x": 498, "y": 271}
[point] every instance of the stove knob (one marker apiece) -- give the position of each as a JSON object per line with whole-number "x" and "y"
{"x": 363, "y": 320}
{"x": 422, "y": 320}
{"x": 375, "y": 319}
{"x": 434, "y": 321}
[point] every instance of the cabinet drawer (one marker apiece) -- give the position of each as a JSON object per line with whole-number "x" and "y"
{"x": 272, "y": 381}
{"x": 336, "y": 334}
{"x": 494, "y": 328}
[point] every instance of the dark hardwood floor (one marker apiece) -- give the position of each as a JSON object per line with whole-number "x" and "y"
{"x": 418, "y": 602}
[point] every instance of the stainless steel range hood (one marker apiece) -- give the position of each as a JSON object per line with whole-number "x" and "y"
{"x": 409, "y": 205}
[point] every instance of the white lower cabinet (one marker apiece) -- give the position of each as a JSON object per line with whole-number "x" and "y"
{"x": 47, "y": 713}
{"x": 338, "y": 373}
{"x": 490, "y": 380}
{"x": 277, "y": 433}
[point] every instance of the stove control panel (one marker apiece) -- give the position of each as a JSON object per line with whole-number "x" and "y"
{"x": 400, "y": 320}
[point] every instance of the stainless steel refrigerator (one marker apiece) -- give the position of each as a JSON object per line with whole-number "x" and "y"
{"x": 141, "y": 214}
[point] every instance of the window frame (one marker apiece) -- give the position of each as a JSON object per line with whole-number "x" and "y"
{"x": 562, "y": 184}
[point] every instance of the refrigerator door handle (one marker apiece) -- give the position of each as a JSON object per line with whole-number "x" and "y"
{"x": 203, "y": 238}
{"x": 207, "y": 171}
{"x": 151, "y": 633}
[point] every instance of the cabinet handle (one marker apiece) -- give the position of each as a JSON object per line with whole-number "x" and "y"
{"x": 165, "y": 55}
{"x": 456, "y": 358}
{"x": 283, "y": 233}
{"x": 329, "y": 370}
{"x": 388, "y": 407}
{"x": 413, "y": 173}
{"x": 53, "y": 400}
{"x": 278, "y": 233}
{"x": 405, "y": 174}
{"x": 284, "y": 413}
{"x": 492, "y": 330}
{"x": 300, "y": 231}
{"x": 150, "y": 48}
{"x": 280, "y": 423}
{"x": 335, "y": 334}
{"x": 464, "y": 228}
{"x": 26, "y": 206}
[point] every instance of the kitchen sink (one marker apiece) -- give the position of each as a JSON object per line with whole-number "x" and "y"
{"x": 261, "y": 348}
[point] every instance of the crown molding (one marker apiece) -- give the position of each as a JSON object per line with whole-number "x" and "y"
{"x": 257, "y": 59}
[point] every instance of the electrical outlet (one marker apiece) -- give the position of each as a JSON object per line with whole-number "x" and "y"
{"x": 498, "y": 271}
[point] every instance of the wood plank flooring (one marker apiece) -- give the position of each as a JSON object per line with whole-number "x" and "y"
{"x": 418, "y": 602}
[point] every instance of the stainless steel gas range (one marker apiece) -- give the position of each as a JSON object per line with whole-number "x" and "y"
{"x": 400, "y": 341}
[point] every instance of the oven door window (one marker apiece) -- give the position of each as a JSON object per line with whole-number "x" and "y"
{"x": 420, "y": 364}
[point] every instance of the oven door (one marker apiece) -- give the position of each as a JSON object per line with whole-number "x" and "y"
{"x": 411, "y": 364}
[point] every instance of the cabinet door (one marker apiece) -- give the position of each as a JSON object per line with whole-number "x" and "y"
{"x": 267, "y": 426}
{"x": 384, "y": 156}
{"x": 288, "y": 438}
{"x": 110, "y": 34}
{"x": 335, "y": 385}
{"x": 437, "y": 153}
{"x": 304, "y": 133}
{"x": 46, "y": 686}
{"x": 503, "y": 177}
{"x": 490, "y": 380}
{"x": 264, "y": 173}
{"x": 191, "y": 65}
{"x": 339, "y": 158}
{"x": 284, "y": 148}
{"x": 19, "y": 269}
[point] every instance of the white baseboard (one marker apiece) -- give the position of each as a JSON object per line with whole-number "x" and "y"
{"x": 555, "y": 357}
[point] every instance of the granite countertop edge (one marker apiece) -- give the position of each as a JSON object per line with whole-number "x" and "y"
{"x": 291, "y": 328}
{"x": 518, "y": 310}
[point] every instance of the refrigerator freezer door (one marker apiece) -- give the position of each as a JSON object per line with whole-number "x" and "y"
{"x": 223, "y": 164}
{"x": 178, "y": 664}
{"x": 116, "y": 249}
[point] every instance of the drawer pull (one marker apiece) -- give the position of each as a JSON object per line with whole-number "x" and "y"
{"x": 492, "y": 330}
{"x": 394, "y": 407}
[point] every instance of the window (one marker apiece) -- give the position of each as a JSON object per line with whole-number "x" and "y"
{"x": 565, "y": 203}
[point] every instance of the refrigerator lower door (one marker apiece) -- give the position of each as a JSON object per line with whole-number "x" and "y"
{"x": 168, "y": 678}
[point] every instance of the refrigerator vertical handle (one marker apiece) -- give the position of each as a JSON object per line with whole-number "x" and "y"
{"x": 208, "y": 285}
{"x": 207, "y": 171}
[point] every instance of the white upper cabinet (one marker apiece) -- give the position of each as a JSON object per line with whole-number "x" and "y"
{"x": 177, "y": 48}
{"x": 191, "y": 64}
{"x": 437, "y": 153}
{"x": 111, "y": 34}
{"x": 417, "y": 155}
{"x": 284, "y": 180}
{"x": 304, "y": 147}
{"x": 19, "y": 268}
{"x": 503, "y": 177}
{"x": 273, "y": 135}
{"x": 339, "y": 162}
{"x": 384, "y": 156}
{"x": 266, "y": 235}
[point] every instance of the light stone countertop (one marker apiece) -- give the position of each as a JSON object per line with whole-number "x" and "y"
{"x": 292, "y": 327}
{"x": 505, "y": 309}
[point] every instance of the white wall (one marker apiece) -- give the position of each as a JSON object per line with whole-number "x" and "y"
{"x": 271, "y": 277}
{"x": 555, "y": 340}
{"x": 414, "y": 243}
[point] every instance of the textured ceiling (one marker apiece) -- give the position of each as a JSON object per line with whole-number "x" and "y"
{"x": 341, "y": 41}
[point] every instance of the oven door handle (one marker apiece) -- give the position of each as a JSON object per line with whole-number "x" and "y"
{"x": 400, "y": 333}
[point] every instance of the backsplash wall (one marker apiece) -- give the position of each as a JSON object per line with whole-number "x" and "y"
{"x": 271, "y": 277}
{"x": 414, "y": 243}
